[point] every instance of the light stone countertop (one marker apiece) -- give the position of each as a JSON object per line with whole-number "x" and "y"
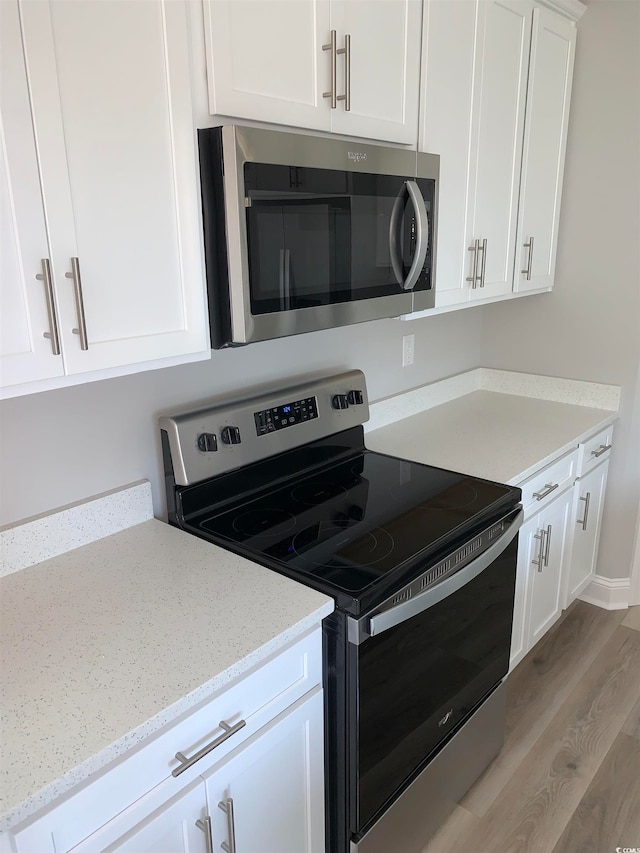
{"x": 105, "y": 644}
{"x": 489, "y": 434}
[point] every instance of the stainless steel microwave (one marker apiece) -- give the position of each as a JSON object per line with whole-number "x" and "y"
{"x": 305, "y": 233}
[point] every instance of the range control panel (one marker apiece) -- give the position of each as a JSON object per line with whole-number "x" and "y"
{"x": 279, "y": 417}
{"x": 204, "y": 443}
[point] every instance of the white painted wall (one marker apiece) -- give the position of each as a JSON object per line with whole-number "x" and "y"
{"x": 69, "y": 444}
{"x": 589, "y": 327}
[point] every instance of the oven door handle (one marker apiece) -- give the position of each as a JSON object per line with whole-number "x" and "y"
{"x": 401, "y": 612}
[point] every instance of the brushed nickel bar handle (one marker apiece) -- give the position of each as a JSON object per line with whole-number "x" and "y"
{"x": 332, "y": 47}
{"x": 603, "y": 449}
{"x": 229, "y": 731}
{"x": 227, "y": 808}
{"x": 540, "y": 561}
{"x": 549, "y": 487}
{"x": 205, "y": 825}
{"x": 483, "y": 249}
{"x": 587, "y": 501}
{"x": 77, "y": 292}
{"x": 347, "y": 72}
{"x": 474, "y": 275}
{"x": 52, "y": 334}
{"x": 546, "y": 551}
{"x": 528, "y": 246}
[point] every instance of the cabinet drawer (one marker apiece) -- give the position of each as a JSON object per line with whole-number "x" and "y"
{"x": 594, "y": 450}
{"x": 548, "y": 483}
{"x": 255, "y": 699}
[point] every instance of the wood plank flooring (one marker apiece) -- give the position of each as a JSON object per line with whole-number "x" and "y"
{"x": 568, "y": 777}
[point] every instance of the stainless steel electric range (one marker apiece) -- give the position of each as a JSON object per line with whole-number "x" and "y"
{"x": 421, "y": 563}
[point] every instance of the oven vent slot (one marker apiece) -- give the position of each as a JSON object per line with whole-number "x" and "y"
{"x": 435, "y": 573}
{"x": 468, "y": 549}
{"x": 405, "y": 595}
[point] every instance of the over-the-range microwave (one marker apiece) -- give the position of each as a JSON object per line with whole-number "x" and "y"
{"x": 305, "y": 233}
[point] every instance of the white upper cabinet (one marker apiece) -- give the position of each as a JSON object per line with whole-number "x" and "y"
{"x": 496, "y": 84}
{"x": 548, "y": 97}
{"x": 110, "y": 95}
{"x": 384, "y": 62}
{"x": 347, "y": 66}
{"x": 263, "y": 61}
{"x": 26, "y": 354}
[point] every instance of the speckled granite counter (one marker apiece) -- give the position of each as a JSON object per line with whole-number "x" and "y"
{"x": 104, "y": 644}
{"x": 493, "y": 424}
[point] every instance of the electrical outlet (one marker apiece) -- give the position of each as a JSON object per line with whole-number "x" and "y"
{"x": 408, "y": 346}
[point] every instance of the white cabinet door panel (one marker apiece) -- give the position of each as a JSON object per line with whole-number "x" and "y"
{"x": 503, "y": 39}
{"x": 549, "y": 94}
{"x": 276, "y": 783}
{"x": 385, "y": 68}
{"x": 587, "y": 520}
{"x": 527, "y": 550}
{"x": 547, "y": 580}
{"x": 265, "y": 60}
{"x": 26, "y": 354}
{"x": 111, "y": 101}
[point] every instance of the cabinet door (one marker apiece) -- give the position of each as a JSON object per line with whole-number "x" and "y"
{"x": 500, "y": 86}
{"x": 548, "y": 555}
{"x": 519, "y": 638}
{"x": 269, "y": 795}
{"x": 110, "y": 91}
{"x": 587, "y": 519}
{"x": 475, "y": 121}
{"x": 26, "y": 353}
{"x": 265, "y": 60}
{"x": 385, "y": 68}
{"x": 548, "y": 97}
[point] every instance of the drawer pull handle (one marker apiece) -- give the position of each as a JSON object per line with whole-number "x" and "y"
{"x": 205, "y": 825}
{"x": 603, "y": 449}
{"x": 540, "y": 561}
{"x": 52, "y": 334}
{"x": 546, "y": 550}
{"x": 583, "y": 521}
{"x": 473, "y": 278}
{"x": 528, "y": 246}
{"x": 549, "y": 487}
{"x": 483, "y": 268}
{"x": 227, "y": 808}
{"x": 332, "y": 91}
{"x": 74, "y": 275}
{"x": 229, "y": 731}
{"x": 347, "y": 72}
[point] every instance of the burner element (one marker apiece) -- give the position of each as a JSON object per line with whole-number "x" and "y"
{"x": 350, "y": 545}
{"x": 259, "y": 522}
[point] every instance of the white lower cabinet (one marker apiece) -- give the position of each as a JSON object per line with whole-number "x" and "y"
{"x": 268, "y": 798}
{"x": 587, "y": 510}
{"x": 253, "y": 782}
{"x": 543, "y": 553}
{"x": 547, "y": 549}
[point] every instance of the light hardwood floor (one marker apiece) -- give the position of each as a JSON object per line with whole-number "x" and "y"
{"x": 568, "y": 777}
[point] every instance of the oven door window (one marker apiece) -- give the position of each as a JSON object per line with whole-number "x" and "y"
{"x": 321, "y": 237}
{"x": 418, "y": 681}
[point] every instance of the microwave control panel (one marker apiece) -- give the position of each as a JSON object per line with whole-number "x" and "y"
{"x": 279, "y": 417}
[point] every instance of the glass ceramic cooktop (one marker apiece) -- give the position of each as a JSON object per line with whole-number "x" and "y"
{"x": 352, "y": 523}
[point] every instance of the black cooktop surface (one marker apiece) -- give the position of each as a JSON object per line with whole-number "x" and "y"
{"x": 345, "y": 528}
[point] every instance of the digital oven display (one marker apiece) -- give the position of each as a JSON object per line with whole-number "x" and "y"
{"x": 279, "y": 417}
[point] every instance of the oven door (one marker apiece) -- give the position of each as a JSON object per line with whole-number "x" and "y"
{"x": 428, "y": 663}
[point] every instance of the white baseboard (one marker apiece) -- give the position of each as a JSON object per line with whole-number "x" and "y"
{"x": 611, "y": 594}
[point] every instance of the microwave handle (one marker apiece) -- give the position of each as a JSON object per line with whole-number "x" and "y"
{"x": 401, "y": 612}
{"x": 422, "y": 238}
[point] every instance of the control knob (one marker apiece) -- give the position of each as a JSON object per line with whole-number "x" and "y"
{"x": 230, "y": 435}
{"x": 207, "y": 442}
{"x": 339, "y": 401}
{"x": 355, "y": 397}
